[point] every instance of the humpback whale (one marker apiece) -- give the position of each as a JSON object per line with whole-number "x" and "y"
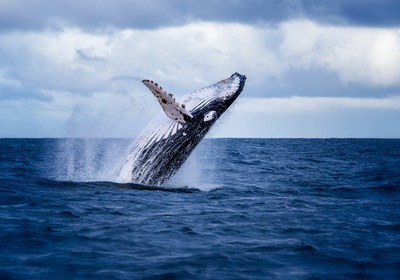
{"x": 164, "y": 145}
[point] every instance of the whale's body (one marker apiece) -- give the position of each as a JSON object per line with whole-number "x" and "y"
{"x": 165, "y": 144}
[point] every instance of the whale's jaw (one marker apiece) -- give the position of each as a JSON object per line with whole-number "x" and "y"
{"x": 165, "y": 144}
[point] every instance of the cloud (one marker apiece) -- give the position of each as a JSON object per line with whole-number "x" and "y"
{"x": 312, "y": 117}
{"x": 183, "y": 58}
{"x": 297, "y": 104}
{"x": 90, "y": 80}
{"x": 124, "y": 14}
{"x": 368, "y": 56}
{"x": 370, "y": 13}
{"x": 87, "y": 15}
{"x": 90, "y": 15}
{"x": 194, "y": 55}
{"x": 12, "y": 88}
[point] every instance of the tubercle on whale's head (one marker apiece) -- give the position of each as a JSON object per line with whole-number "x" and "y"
{"x": 236, "y": 80}
{"x": 217, "y": 97}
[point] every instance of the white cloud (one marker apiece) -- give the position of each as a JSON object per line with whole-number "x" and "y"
{"x": 367, "y": 56}
{"x": 92, "y": 80}
{"x": 6, "y": 81}
{"x": 197, "y": 54}
{"x": 312, "y": 117}
{"x": 296, "y": 104}
{"x": 187, "y": 57}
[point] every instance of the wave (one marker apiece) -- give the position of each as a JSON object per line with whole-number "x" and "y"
{"x": 98, "y": 185}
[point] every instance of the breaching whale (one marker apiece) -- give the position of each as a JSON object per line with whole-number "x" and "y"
{"x": 164, "y": 145}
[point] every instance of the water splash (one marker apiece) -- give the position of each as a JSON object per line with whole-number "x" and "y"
{"x": 199, "y": 171}
{"x": 94, "y": 160}
{"x": 86, "y": 160}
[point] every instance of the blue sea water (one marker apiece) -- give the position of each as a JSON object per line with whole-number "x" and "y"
{"x": 239, "y": 209}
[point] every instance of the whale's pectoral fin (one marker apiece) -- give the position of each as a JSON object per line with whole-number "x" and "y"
{"x": 172, "y": 108}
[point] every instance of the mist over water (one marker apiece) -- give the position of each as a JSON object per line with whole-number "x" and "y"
{"x": 90, "y": 159}
{"x": 199, "y": 170}
{"x": 122, "y": 113}
{"x": 83, "y": 155}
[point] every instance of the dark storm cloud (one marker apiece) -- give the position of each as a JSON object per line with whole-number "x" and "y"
{"x": 316, "y": 83}
{"x": 83, "y": 55}
{"x": 150, "y": 14}
{"x": 88, "y": 14}
{"x": 382, "y": 13}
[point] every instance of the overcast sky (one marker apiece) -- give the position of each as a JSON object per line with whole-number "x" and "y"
{"x": 315, "y": 68}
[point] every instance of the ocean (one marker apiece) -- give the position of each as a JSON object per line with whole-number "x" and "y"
{"x": 238, "y": 209}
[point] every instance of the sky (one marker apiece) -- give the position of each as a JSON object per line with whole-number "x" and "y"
{"x": 314, "y": 68}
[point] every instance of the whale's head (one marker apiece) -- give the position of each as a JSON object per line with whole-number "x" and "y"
{"x": 207, "y": 104}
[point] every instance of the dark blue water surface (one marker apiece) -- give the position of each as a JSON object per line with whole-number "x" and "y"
{"x": 239, "y": 209}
